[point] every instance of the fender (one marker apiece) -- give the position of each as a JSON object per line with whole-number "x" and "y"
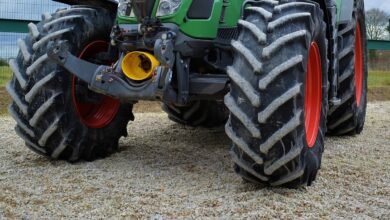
{"x": 109, "y": 4}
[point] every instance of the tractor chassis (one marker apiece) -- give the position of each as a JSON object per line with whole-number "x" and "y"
{"x": 169, "y": 48}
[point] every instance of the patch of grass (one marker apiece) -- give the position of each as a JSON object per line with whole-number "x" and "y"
{"x": 5, "y": 100}
{"x": 378, "y": 79}
{"x": 5, "y": 75}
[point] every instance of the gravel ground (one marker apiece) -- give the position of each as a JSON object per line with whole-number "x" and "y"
{"x": 167, "y": 171}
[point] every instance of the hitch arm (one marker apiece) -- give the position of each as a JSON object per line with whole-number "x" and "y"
{"x": 60, "y": 54}
{"x": 103, "y": 79}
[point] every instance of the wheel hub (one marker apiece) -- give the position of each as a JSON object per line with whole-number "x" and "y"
{"x": 313, "y": 95}
{"x": 94, "y": 114}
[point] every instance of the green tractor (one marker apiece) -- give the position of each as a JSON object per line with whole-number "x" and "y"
{"x": 278, "y": 74}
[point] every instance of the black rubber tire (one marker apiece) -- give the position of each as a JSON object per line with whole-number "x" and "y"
{"x": 206, "y": 114}
{"x": 348, "y": 118}
{"x": 266, "y": 99}
{"x": 42, "y": 91}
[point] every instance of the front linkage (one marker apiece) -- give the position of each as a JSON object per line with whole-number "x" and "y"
{"x": 152, "y": 79}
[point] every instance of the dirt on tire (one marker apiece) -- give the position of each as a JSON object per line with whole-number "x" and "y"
{"x": 165, "y": 170}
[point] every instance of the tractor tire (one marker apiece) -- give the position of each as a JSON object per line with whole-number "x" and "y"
{"x": 278, "y": 98}
{"x": 348, "y": 117}
{"x": 206, "y": 114}
{"x": 51, "y": 118}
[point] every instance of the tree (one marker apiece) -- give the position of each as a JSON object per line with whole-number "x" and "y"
{"x": 376, "y": 21}
{"x": 388, "y": 28}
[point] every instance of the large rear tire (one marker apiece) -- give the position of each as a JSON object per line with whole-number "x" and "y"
{"x": 278, "y": 97}
{"x": 348, "y": 117}
{"x": 51, "y": 117}
{"x": 206, "y": 114}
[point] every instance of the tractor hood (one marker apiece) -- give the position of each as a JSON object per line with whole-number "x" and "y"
{"x": 196, "y": 19}
{"x": 143, "y": 8}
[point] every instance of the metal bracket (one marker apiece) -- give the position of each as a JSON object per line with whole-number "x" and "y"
{"x": 163, "y": 49}
{"x": 183, "y": 79}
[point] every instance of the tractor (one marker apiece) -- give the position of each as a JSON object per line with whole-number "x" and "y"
{"x": 278, "y": 74}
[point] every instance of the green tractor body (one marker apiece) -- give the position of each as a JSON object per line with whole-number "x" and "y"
{"x": 219, "y": 14}
{"x": 278, "y": 74}
{"x": 213, "y": 16}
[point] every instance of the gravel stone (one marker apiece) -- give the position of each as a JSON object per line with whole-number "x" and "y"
{"x": 168, "y": 171}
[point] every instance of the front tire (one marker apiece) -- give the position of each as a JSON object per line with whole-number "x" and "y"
{"x": 278, "y": 97}
{"x": 51, "y": 118}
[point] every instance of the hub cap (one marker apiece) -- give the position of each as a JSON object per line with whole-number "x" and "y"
{"x": 313, "y": 95}
{"x": 358, "y": 65}
{"x": 100, "y": 113}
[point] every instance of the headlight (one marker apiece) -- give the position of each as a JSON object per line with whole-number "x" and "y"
{"x": 124, "y": 8}
{"x": 168, "y": 7}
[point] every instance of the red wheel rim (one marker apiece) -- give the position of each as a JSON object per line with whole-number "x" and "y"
{"x": 95, "y": 115}
{"x": 313, "y": 95}
{"x": 358, "y": 65}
